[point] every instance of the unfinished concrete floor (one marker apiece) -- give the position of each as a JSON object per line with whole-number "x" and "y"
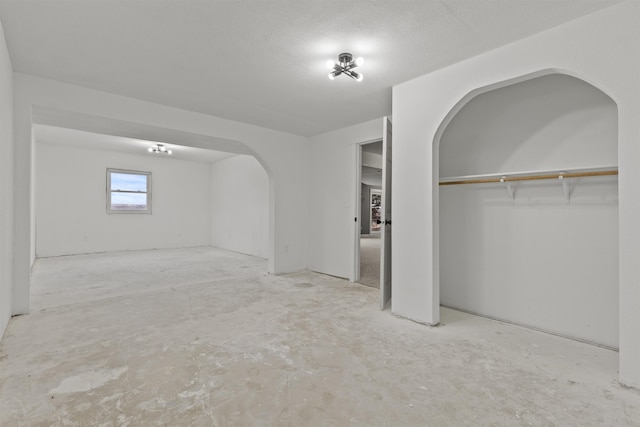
{"x": 203, "y": 337}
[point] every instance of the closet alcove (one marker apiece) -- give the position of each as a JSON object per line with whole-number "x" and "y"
{"x": 541, "y": 253}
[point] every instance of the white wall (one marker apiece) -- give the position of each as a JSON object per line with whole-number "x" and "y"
{"x": 240, "y": 206}
{"x": 284, "y": 156}
{"x": 550, "y": 122}
{"x": 373, "y": 160}
{"x": 332, "y": 188}
{"x": 602, "y": 49}
{"x": 71, "y": 211}
{"x": 6, "y": 183}
{"x": 539, "y": 261}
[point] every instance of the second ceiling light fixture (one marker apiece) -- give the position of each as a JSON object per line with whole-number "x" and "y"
{"x": 345, "y": 65}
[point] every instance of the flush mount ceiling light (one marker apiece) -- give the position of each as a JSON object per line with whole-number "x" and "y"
{"x": 345, "y": 65}
{"x": 160, "y": 148}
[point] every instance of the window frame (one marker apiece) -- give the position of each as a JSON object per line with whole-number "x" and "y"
{"x": 109, "y": 191}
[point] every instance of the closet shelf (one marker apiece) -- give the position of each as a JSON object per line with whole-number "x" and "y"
{"x": 509, "y": 178}
{"x": 529, "y": 176}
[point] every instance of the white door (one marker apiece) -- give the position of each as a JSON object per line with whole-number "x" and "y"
{"x": 385, "y": 233}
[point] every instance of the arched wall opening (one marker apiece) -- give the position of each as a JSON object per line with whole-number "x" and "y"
{"x": 49, "y": 102}
{"x": 534, "y": 253}
{"x": 184, "y": 221}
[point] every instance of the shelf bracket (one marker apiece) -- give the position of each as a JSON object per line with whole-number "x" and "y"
{"x": 565, "y": 185}
{"x": 510, "y": 191}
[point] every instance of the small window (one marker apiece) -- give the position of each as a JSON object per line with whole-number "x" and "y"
{"x": 128, "y": 191}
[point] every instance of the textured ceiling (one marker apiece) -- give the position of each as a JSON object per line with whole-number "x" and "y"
{"x": 263, "y": 61}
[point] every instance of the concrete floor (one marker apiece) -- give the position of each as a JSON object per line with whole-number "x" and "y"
{"x": 202, "y": 337}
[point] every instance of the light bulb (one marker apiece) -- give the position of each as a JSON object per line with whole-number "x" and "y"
{"x": 330, "y": 64}
{"x": 150, "y": 150}
{"x": 162, "y": 148}
{"x": 168, "y": 151}
{"x": 359, "y": 77}
{"x": 332, "y": 76}
{"x": 359, "y": 60}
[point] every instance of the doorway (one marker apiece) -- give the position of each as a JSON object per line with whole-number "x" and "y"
{"x": 373, "y": 169}
{"x": 370, "y": 214}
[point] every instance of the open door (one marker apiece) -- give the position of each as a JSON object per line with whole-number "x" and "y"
{"x": 385, "y": 233}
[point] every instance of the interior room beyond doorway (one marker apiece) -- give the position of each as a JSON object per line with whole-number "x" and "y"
{"x": 370, "y": 216}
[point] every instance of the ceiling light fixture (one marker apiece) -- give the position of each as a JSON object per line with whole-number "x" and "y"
{"x": 345, "y": 65}
{"x": 159, "y": 149}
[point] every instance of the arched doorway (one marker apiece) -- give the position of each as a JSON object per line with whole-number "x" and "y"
{"x": 119, "y": 143}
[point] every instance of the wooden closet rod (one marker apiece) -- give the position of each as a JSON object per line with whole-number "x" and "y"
{"x": 530, "y": 177}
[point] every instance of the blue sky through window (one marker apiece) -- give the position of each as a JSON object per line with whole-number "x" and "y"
{"x": 128, "y": 182}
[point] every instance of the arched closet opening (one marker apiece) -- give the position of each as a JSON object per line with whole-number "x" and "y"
{"x": 528, "y": 208}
